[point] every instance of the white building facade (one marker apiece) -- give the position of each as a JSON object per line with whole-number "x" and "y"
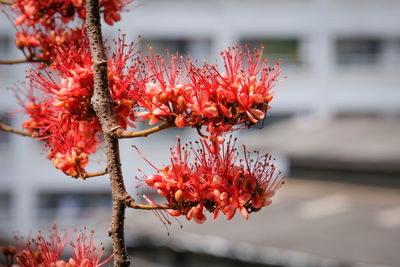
{"x": 339, "y": 56}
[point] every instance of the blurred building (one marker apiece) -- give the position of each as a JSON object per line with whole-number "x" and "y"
{"x": 341, "y": 57}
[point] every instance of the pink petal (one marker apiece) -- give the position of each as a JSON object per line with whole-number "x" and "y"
{"x": 244, "y": 212}
{"x": 152, "y": 89}
{"x": 258, "y": 113}
{"x": 251, "y": 117}
{"x": 210, "y": 112}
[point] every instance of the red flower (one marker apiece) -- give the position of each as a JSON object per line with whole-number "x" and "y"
{"x": 63, "y": 115}
{"x": 46, "y": 252}
{"x": 86, "y": 254}
{"x": 216, "y": 182}
{"x": 41, "y": 251}
{"x": 197, "y": 96}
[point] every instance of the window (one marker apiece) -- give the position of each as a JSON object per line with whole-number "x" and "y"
{"x": 358, "y": 51}
{"x": 5, "y": 136}
{"x": 391, "y": 53}
{"x": 272, "y": 119}
{"x": 286, "y": 50}
{"x": 199, "y": 49}
{"x": 73, "y": 205}
{"x": 5, "y": 202}
{"x": 4, "y": 45}
{"x": 173, "y": 46}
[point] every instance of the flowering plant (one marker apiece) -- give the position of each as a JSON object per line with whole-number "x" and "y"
{"x": 80, "y": 94}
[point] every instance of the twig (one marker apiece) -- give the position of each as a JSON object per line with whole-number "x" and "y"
{"x": 86, "y": 175}
{"x": 9, "y": 129}
{"x": 135, "y": 205}
{"x": 6, "y": 2}
{"x": 146, "y": 132}
{"x": 19, "y": 61}
{"x": 130, "y": 203}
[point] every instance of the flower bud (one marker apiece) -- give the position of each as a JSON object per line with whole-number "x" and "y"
{"x": 181, "y": 102}
{"x": 4, "y": 250}
{"x": 180, "y": 121}
{"x": 179, "y": 196}
{"x": 163, "y": 98}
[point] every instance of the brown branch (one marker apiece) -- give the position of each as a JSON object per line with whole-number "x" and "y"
{"x": 94, "y": 174}
{"x": 135, "y": 205}
{"x": 130, "y": 203}
{"x": 147, "y": 132}
{"x": 19, "y": 61}
{"x": 86, "y": 175}
{"x": 103, "y": 105}
{"x": 5, "y": 2}
{"x": 9, "y": 129}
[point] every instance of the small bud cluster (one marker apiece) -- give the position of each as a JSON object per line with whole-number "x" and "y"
{"x": 215, "y": 182}
{"x": 9, "y": 254}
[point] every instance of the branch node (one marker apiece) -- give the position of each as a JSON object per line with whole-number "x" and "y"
{"x": 101, "y": 62}
{"x": 125, "y": 198}
{"x": 115, "y": 131}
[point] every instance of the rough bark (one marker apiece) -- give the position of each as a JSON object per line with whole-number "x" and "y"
{"x": 103, "y": 105}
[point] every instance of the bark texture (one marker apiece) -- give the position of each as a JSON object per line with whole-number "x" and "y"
{"x": 104, "y": 106}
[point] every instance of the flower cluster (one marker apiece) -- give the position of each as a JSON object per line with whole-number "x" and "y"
{"x": 42, "y": 252}
{"x": 187, "y": 96}
{"x": 216, "y": 182}
{"x": 41, "y": 23}
{"x": 69, "y": 141}
{"x": 203, "y": 96}
{"x": 63, "y": 116}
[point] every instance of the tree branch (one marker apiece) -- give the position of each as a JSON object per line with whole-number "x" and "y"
{"x": 103, "y": 105}
{"x": 9, "y": 129}
{"x": 86, "y": 175}
{"x": 19, "y": 61}
{"x": 135, "y": 205}
{"x": 130, "y": 203}
{"x": 94, "y": 174}
{"x": 146, "y": 132}
{"x": 6, "y": 2}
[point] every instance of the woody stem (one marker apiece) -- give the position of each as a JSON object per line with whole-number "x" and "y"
{"x": 9, "y": 129}
{"x": 104, "y": 108}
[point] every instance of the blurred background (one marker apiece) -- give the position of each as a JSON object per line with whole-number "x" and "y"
{"x": 334, "y": 128}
